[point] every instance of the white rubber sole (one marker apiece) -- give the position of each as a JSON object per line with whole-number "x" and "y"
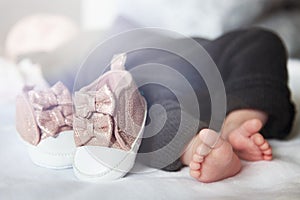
{"x": 93, "y": 163}
{"x": 96, "y": 163}
{"x": 54, "y": 153}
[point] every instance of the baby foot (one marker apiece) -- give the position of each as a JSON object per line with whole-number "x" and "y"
{"x": 248, "y": 143}
{"x": 211, "y": 158}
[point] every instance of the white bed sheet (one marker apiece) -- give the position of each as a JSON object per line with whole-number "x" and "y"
{"x": 21, "y": 179}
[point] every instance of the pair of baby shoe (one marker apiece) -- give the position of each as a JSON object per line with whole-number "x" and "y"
{"x": 99, "y": 138}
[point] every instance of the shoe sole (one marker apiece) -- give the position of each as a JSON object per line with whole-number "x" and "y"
{"x": 54, "y": 153}
{"x": 96, "y": 163}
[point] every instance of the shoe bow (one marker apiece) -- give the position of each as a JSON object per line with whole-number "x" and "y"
{"x": 52, "y": 109}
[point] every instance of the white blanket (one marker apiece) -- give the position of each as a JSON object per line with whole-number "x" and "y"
{"x": 21, "y": 179}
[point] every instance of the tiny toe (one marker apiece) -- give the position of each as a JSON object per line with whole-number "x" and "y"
{"x": 258, "y": 139}
{"x": 267, "y": 152}
{"x": 203, "y": 150}
{"x": 195, "y": 166}
{"x": 252, "y": 126}
{"x": 267, "y": 157}
{"x": 197, "y": 158}
{"x": 209, "y": 137}
{"x": 195, "y": 173}
{"x": 264, "y": 146}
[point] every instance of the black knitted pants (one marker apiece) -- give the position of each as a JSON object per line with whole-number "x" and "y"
{"x": 252, "y": 64}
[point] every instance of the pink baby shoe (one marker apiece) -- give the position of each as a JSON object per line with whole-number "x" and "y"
{"x": 108, "y": 125}
{"x": 44, "y": 121}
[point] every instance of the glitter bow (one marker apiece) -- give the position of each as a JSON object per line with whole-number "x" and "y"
{"x": 101, "y": 101}
{"x": 110, "y": 111}
{"x": 98, "y": 128}
{"x": 95, "y": 122}
{"x": 52, "y": 109}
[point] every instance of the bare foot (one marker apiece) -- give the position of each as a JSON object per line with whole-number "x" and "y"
{"x": 210, "y": 158}
{"x": 248, "y": 143}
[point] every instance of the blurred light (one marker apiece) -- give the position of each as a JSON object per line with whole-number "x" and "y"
{"x": 97, "y": 14}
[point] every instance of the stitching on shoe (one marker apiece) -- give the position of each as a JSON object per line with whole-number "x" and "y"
{"x": 110, "y": 169}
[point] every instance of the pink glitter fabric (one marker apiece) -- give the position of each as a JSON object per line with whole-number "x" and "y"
{"x": 43, "y": 113}
{"x": 110, "y": 111}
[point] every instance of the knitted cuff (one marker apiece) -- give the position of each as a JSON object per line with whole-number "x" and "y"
{"x": 172, "y": 146}
{"x": 267, "y": 95}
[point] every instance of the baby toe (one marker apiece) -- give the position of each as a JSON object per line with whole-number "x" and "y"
{"x": 267, "y": 152}
{"x": 258, "y": 139}
{"x": 197, "y": 158}
{"x": 209, "y": 137}
{"x": 203, "y": 150}
{"x": 195, "y": 166}
{"x": 195, "y": 173}
{"x": 264, "y": 146}
{"x": 268, "y": 157}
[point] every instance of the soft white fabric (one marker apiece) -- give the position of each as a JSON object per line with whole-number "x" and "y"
{"x": 21, "y": 179}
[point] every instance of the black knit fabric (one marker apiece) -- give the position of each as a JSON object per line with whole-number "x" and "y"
{"x": 252, "y": 64}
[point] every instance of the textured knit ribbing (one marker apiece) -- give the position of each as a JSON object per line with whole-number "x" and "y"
{"x": 163, "y": 150}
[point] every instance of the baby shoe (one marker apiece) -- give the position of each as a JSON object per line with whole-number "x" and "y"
{"x": 44, "y": 120}
{"x": 108, "y": 125}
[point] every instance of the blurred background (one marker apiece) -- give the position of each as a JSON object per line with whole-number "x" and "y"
{"x": 203, "y": 18}
{"x": 53, "y": 37}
